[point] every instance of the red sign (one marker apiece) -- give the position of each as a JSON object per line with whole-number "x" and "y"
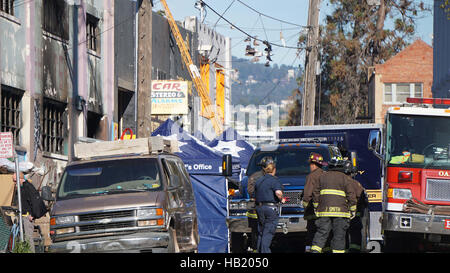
{"x": 6, "y": 145}
{"x": 447, "y": 224}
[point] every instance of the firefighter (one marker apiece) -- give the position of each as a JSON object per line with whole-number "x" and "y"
{"x": 268, "y": 192}
{"x": 354, "y": 235}
{"x": 315, "y": 165}
{"x": 252, "y": 217}
{"x": 336, "y": 205}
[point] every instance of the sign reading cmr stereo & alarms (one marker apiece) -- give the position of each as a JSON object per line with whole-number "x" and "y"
{"x": 169, "y": 97}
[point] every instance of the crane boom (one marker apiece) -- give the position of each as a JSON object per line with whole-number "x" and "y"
{"x": 193, "y": 71}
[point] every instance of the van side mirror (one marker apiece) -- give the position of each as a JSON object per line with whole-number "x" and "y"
{"x": 374, "y": 142}
{"x": 227, "y": 166}
{"x": 46, "y": 194}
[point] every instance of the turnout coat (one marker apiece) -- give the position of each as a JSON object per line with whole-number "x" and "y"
{"x": 334, "y": 195}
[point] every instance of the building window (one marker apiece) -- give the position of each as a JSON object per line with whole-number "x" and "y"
{"x": 11, "y": 120}
{"x": 55, "y": 18}
{"x": 398, "y": 92}
{"x": 53, "y": 126}
{"x": 92, "y": 32}
{"x": 93, "y": 125}
{"x": 7, "y": 6}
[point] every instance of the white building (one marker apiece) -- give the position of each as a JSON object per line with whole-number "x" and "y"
{"x": 216, "y": 70}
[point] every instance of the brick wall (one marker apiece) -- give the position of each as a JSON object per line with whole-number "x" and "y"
{"x": 414, "y": 64}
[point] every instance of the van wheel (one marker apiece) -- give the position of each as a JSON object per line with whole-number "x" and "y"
{"x": 173, "y": 244}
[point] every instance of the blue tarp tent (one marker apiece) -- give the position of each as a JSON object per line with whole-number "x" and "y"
{"x": 210, "y": 189}
{"x": 231, "y": 142}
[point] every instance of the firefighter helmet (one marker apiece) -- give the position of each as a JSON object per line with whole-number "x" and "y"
{"x": 317, "y": 158}
{"x": 348, "y": 167}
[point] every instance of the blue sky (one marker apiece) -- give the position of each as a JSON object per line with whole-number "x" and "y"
{"x": 290, "y": 11}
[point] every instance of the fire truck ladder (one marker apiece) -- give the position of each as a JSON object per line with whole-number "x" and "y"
{"x": 193, "y": 72}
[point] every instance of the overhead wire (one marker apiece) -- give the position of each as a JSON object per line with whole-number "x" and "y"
{"x": 246, "y": 33}
{"x": 278, "y": 83}
{"x": 223, "y": 13}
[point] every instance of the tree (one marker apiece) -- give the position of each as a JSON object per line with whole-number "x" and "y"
{"x": 446, "y": 7}
{"x": 354, "y": 38}
{"x": 295, "y": 108}
{"x": 295, "y": 113}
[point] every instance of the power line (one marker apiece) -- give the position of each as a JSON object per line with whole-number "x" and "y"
{"x": 223, "y": 13}
{"x": 244, "y": 32}
{"x": 278, "y": 83}
{"x": 267, "y": 29}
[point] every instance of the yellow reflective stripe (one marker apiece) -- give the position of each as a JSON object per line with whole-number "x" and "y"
{"x": 353, "y": 208}
{"x": 333, "y": 214}
{"x": 251, "y": 215}
{"x": 338, "y": 251}
{"x": 316, "y": 248}
{"x": 334, "y": 192}
{"x": 315, "y": 205}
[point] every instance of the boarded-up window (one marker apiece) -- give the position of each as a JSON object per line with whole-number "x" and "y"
{"x": 53, "y": 126}
{"x": 55, "y": 18}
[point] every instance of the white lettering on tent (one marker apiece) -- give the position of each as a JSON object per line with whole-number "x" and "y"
{"x": 202, "y": 167}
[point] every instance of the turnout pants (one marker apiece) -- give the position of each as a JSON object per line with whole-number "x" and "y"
{"x": 267, "y": 225}
{"x": 354, "y": 234}
{"x": 338, "y": 225}
{"x": 310, "y": 231}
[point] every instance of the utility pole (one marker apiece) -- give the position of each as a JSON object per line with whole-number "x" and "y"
{"x": 309, "y": 97}
{"x": 144, "y": 71}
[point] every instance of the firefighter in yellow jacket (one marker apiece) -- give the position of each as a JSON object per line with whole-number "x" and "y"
{"x": 315, "y": 164}
{"x": 335, "y": 198}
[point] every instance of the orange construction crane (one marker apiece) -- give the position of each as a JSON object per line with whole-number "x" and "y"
{"x": 194, "y": 72}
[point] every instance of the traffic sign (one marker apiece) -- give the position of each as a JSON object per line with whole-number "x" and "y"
{"x": 6, "y": 145}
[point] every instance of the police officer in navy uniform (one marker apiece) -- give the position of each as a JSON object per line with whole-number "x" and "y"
{"x": 252, "y": 217}
{"x": 268, "y": 193}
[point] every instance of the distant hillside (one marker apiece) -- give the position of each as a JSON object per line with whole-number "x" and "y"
{"x": 253, "y": 81}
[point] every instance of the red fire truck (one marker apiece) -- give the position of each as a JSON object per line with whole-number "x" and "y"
{"x": 415, "y": 149}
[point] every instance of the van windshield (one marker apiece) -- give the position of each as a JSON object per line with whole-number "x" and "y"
{"x": 289, "y": 162}
{"x": 109, "y": 177}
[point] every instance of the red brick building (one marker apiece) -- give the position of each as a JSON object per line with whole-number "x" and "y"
{"x": 407, "y": 74}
